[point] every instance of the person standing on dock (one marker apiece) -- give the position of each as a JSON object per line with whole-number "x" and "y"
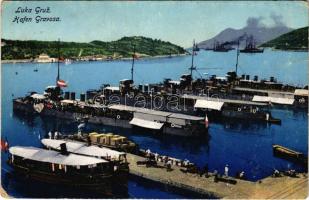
{"x": 226, "y": 170}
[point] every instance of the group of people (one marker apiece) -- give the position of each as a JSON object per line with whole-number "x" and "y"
{"x": 290, "y": 172}
{"x": 189, "y": 166}
{"x": 168, "y": 161}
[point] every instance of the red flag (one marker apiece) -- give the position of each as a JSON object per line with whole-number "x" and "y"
{"x": 61, "y": 83}
{"x": 4, "y": 145}
{"x": 206, "y": 121}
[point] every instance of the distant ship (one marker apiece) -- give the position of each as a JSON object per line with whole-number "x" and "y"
{"x": 220, "y": 47}
{"x": 251, "y": 46}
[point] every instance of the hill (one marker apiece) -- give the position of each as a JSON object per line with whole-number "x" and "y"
{"x": 260, "y": 32}
{"x": 17, "y": 49}
{"x": 294, "y": 40}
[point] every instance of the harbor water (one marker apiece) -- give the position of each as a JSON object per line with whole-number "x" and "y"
{"x": 243, "y": 146}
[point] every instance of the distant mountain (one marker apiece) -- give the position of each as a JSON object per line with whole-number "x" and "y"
{"x": 254, "y": 27}
{"x": 294, "y": 40}
{"x": 18, "y": 49}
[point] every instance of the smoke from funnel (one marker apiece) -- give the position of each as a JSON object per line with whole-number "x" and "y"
{"x": 254, "y": 22}
{"x": 277, "y": 19}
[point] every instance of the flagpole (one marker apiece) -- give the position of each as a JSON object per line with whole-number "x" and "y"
{"x": 192, "y": 67}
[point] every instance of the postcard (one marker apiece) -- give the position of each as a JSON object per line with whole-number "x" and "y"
{"x": 154, "y": 99}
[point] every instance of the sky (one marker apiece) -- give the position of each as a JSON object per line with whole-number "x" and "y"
{"x": 177, "y": 22}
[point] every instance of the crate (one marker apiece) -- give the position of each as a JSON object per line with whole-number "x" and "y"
{"x": 102, "y": 139}
{"x": 115, "y": 141}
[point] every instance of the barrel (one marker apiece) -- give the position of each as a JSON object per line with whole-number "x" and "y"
{"x": 72, "y": 95}
{"x": 67, "y": 95}
{"x": 247, "y": 77}
{"x": 82, "y": 97}
{"x": 256, "y": 78}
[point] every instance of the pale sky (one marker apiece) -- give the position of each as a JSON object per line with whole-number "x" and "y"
{"x": 177, "y": 22}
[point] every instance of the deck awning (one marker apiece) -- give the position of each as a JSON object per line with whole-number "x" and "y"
{"x": 38, "y": 96}
{"x": 301, "y": 92}
{"x": 81, "y": 148}
{"x": 276, "y": 100}
{"x": 49, "y": 156}
{"x": 112, "y": 88}
{"x": 214, "y": 105}
{"x": 146, "y": 123}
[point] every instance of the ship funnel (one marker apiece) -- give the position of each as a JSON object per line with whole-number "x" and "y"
{"x": 63, "y": 149}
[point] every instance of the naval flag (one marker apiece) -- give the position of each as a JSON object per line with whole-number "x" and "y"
{"x": 61, "y": 83}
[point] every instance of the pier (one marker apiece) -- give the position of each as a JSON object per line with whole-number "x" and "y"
{"x": 268, "y": 188}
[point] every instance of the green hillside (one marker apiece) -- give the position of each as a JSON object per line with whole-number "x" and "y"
{"x": 17, "y": 49}
{"x": 294, "y": 40}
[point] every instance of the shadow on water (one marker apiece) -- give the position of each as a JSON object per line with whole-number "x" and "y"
{"x": 37, "y": 189}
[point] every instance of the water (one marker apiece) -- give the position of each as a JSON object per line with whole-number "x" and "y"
{"x": 243, "y": 146}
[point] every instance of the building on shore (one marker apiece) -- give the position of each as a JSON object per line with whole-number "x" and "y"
{"x": 44, "y": 58}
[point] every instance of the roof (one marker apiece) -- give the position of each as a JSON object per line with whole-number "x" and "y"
{"x": 38, "y": 96}
{"x": 301, "y": 92}
{"x": 81, "y": 148}
{"x": 146, "y": 123}
{"x": 214, "y": 105}
{"x": 276, "y": 100}
{"x": 49, "y": 156}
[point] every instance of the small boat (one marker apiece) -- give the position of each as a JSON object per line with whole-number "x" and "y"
{"x": 286, "y": 153}
{"x": 35, "y": 70}
{"x": 62, "y": 168}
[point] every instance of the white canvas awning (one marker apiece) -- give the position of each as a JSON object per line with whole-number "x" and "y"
{"x": 38, "y": 96}
{"x": 301, "y": 92}
{"x": 112, "y": 88}
{"x": 82, "y": 149}
{"x": 49, "y": 156}
{"x": 214, "y": 105}
{"x": 276, "y": 100}
{"x": 146, "y": 123}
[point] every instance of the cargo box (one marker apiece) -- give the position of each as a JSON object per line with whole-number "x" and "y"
{"x": 108, "y": 139}
{"x": 115, "y": 141}
{"x": 103, "y": 139}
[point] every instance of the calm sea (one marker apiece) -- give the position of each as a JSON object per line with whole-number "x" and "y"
{"x": 244, "y": 147}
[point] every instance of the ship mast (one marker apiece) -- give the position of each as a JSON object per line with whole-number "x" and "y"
{"x": 132, "y": 68}
{"x": 58, "y": 74}
{"x": 192, "y": 67}
{"x": 237, "y": 57}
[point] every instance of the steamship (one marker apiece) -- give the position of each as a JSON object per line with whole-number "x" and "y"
{"x": 64, "y": 169}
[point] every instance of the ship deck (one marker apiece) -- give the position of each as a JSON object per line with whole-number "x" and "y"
{"x": 264, "y": 91}
{"x": 232, "y": 101}
{"x": 268, "y": 188}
